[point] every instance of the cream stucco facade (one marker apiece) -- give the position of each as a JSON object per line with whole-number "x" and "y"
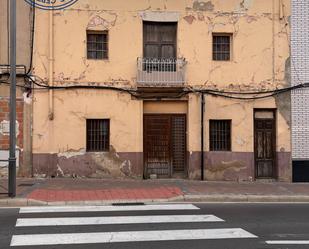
{"x": 259, "y": 61}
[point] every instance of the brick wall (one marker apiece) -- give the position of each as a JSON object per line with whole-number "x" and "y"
{"x": 4, "y": 118}
{"x": 300, "y": 74}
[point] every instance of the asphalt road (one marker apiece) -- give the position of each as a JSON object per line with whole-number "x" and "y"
{"x": 199, "y": 226}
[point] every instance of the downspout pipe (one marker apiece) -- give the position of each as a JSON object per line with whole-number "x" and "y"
{"x": 273, "y": 41}
{"x": 202, "y": 135}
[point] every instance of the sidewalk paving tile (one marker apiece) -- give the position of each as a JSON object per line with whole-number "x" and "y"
{"x": 103, "y": 190}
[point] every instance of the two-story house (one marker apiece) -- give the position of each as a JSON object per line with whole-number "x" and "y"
{"x": 163, "y": 89}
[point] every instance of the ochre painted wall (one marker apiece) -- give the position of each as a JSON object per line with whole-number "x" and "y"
{"x": 260, "y": 61}
{"x": 161, "y": 107}
{"x": 252, "y": 26}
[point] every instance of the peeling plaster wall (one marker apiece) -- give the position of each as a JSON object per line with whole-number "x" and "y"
{"x": 260, "y": 61}
{"x": 251, "y": 23}
{"x": 234, "y": 166}
{"x": 93, "y": 165}
{"x": 237, "y": 165}
{"x": 60, "y": 146}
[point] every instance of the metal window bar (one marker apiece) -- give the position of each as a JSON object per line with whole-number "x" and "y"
{"x": 221, "y": 47}
{"x": 97, "y": 46}
{"x": 220, "y": 135}
{"x": 97, "y": 135}
{"x": 161, "y": 71}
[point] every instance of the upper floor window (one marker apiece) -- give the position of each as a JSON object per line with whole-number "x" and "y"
{"x": 221, "y": 47}
{"x": 220, "y": 135}
{"x": 97, "y": 45}
{"x": 160, "y": 40}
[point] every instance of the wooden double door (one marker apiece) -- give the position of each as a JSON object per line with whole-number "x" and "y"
{"x": 164, "y": 144}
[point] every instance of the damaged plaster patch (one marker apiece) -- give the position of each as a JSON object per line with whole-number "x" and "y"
{"x": 200, "y": 16}
{"x": 223, "y": 170}
{"x": 203, "y": 6}
{"x": 5, "y": 128}
{"x": 27, "y": 98}
{"x": 240, "y": 141}
{"x": 245, "y": 4}
{"x": 80, "y": 163}
{"x": 109, "y": 164}
{"x": 235, "y": 165}
{"x": 69, "y": 154}
{"x": 287, "y": 72}
{"x": 126, "y": 168}
{"x": 159, "y": 16}
{"x": 251, "y": 19}
{"x": 189, "y": 19}
{"x": 61, "y": 173}
{"x": 103, "y": 21}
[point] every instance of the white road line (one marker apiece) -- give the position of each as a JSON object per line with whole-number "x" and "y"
{"x": 287, "y": 242}
{"x": 29, "y": 222}
{"x": 71, "y": 209}
{"x": 135, "y": 236}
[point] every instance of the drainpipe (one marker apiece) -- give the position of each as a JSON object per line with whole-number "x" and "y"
{"x": 202, "y": 135}
{"x": 51, "y": 65}
{"x": 273, "y": 42}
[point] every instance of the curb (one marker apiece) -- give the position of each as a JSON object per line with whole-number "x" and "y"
{"x": 22, "y": 202}
{"x": 246, "y": 198}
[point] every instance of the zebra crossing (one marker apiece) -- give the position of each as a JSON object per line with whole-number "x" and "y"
{"x": 107, "y": 218}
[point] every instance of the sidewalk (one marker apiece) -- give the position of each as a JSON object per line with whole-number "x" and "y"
{"x": 106, "y": 191}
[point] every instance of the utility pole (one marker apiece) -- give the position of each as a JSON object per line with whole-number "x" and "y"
{"x": 202, "y": 135}
{"x": 12, "y": 157}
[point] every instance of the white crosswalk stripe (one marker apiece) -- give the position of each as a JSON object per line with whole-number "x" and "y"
{"x": 135, "y": 236}
{"x": 287, "y": 242}
{"x": 52, "y": 239}
{"x": 115, "y": 220}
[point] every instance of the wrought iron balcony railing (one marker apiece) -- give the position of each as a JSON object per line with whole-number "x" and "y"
{"x": 161, "y": 72}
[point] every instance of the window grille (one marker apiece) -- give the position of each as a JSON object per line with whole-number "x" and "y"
{"x": 220, "y": 135}
{"x": 221, "y": 47}
{"x": 98, "y": 133}
{"x": 97, "y": 45}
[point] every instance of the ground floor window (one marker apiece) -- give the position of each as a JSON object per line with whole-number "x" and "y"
{"x": 220, "y": 135}
{"x": 98, "y": 133}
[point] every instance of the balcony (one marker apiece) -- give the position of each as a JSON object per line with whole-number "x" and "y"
{"x": 161, "y": 72}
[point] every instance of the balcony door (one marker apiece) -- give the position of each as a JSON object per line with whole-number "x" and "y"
{"x": 160, "y": 46}
{"x": 160, "y": 40}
